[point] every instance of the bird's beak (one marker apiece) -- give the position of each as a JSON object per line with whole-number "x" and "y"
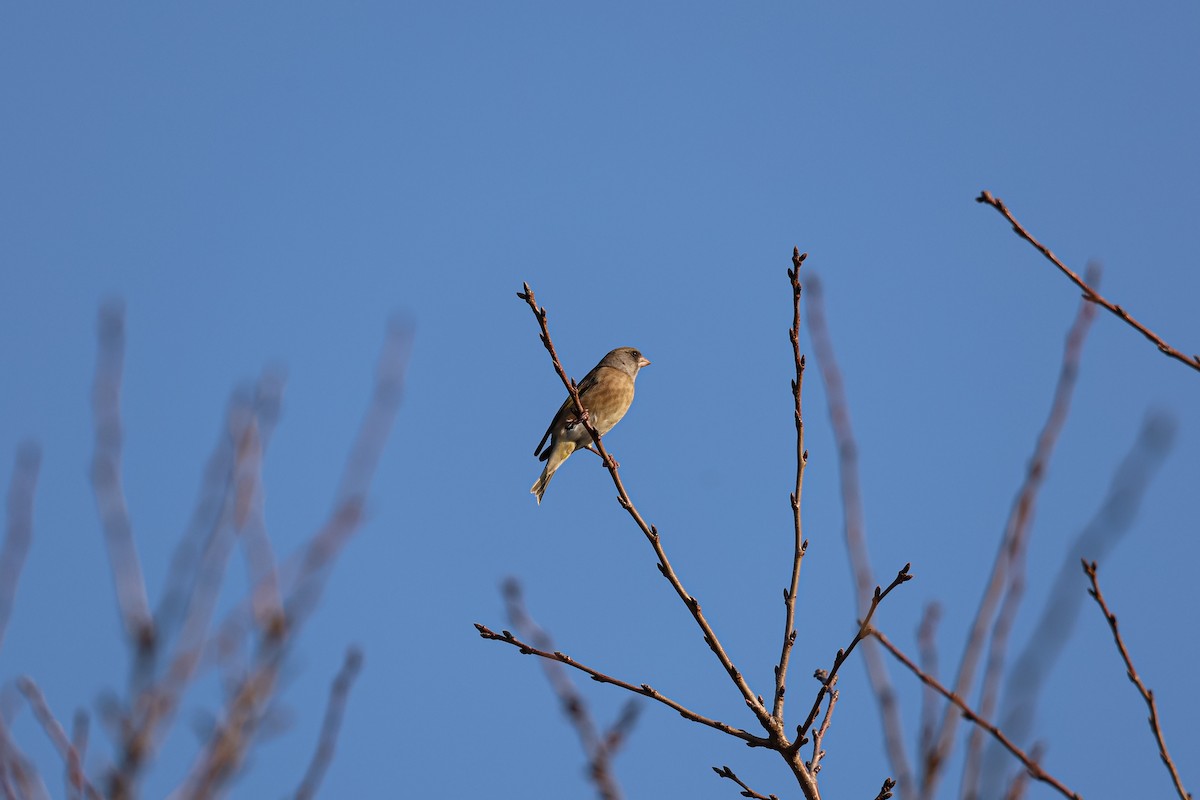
{"x": 643, "y": 362}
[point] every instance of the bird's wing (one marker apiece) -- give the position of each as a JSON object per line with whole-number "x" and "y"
{"x": 565, "y": 412}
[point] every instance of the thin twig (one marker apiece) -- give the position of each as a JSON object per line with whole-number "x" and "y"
{"x": 854, "y": 529}
{"x": 726, "y": 772}
{"x": 818, "y": 736}
{"x": 1017, "y": 532}
{"x": 864, "y": 630}
{"x": 332, "y": 725}
{"x": 1089, "y": 569}
{"x": 800, "y": 546}
{"x": 650, "y": 532}
{"x": 1035, "y": 769}
{"x": 885, "y": 792}
{"x": 1089, "y": 293}
{"x": 58, "y": 736}
{"x": 19, "y": 531}
{"x": 643, "y": 689}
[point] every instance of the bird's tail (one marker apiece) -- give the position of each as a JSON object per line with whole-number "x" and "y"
{"x": 557, "y": 456}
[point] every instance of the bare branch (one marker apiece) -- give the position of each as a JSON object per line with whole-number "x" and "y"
{"x": 1089, "y": 293}
{"x": 332, "y": 725}
{"x": 864, "y": 630}
{"x": 1034, "y": 768}
{"x": 854, "y": 529}
{"x": 650, "y": 532}
{"x": 1089, "y": 569}
{"x": 643, "y": 689}
{"x": 595, "y": 747}
{"x": 800, "y": 546}
{"x": 726, "y": 772}
{"x": 885, "y": 792}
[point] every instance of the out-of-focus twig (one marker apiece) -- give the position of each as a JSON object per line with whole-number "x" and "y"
{"x": 1089, "y": 293}
{"x": 1112, "y": 520}
{"x": 595, "y": 747}
{"x": 726, "y": 772}
{"x": 854, "y": 528}
{"x": 58, "y": 736}
{"x": 19, "y": 530}
{"x": 1010, "y": 562}
{"x": 928, "y": 654}
{"x": 79, "y": 740}
{"x": 332, "y": 725}
{"x": 106, "y": 481}
{"x": 799, "y": 544}
{"x": 226, "y": 749}
{"x": 1089, "y": 569}
{"x": 643, "y": 689}
{"x": 1035, "y": 769}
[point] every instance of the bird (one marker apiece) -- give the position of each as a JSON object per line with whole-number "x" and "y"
{"x": 606, "y": 393}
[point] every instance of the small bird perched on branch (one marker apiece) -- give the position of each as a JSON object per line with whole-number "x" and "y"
{"x": 606, "y": 393}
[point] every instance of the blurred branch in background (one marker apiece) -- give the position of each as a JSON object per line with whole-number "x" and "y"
{"x": 1011, "y": 562}
{"x": 598, "y": 748}
{"x": 1008, "y": 566}
{"x": 1089, "y": 293}
{"x": 1028, "y": 761}
{"x": 1113, "y": 519}
{"x": 1089, "y": 569}
{"x": 169, "y": 648}
{"x": 854, "y": 529}
{"x": 339, "y": 693}
{"x": 19, "y": 529}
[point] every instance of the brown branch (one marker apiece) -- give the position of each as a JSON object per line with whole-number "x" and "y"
{"x": 1089, "y": 293}
{"x": 1030, "y": 764}
{"x": 1020, "y": 781}
{"x": 596, "y": 748}
{"x": 1020, "y": 521}
{"x": 643, "y": 689}
{"x": 19, "y": 531}
{"x": 819, "y": 735}
{"x": 331, "y": 726}
{"x": 107, "y": 485}
{"x": 854, "y": 530}
{"x": 885, "y": 792}
{"x": 650, "y": 532}
{"x": 58, "y": 736}
{"x": 1089, "y": 569}
{"x": 864, "y": 630}
{"x": 726, "y": 772}
{"x": 800, "y": 546}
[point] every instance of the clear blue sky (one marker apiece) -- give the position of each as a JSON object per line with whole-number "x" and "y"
{"x": 267, "y": 184}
